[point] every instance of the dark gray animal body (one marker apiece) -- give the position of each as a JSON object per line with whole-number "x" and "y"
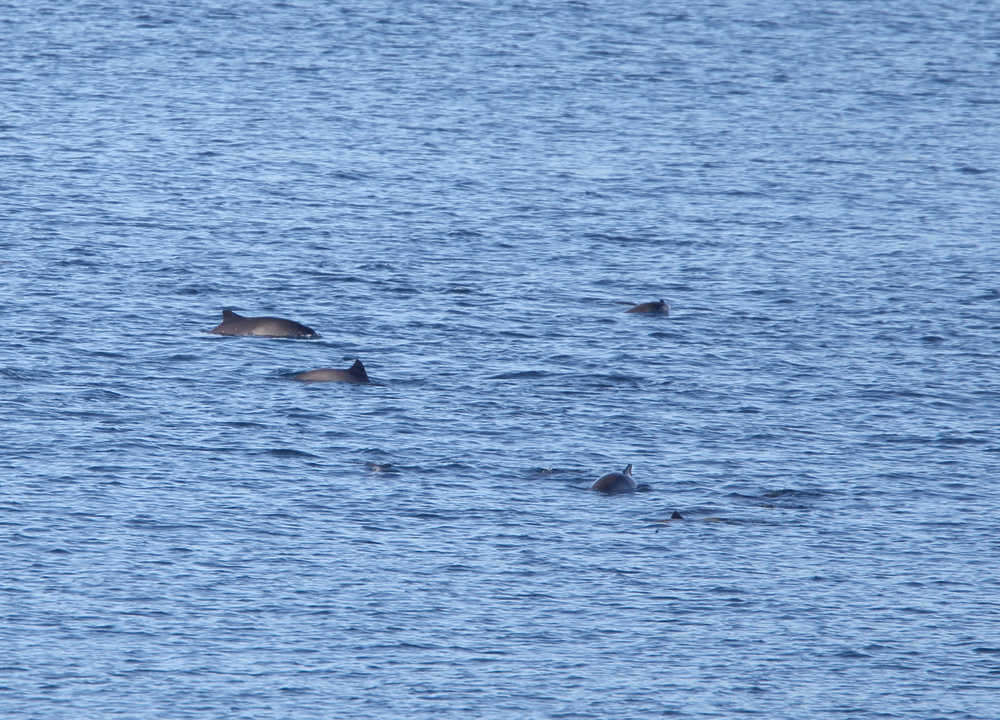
{"x": 616, "y": 482}
{"x": 354, "y": 374}
{"x": 233, "y": 324}
{"x": 658, "y": 307}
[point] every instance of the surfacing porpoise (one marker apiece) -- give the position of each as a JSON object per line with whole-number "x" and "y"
{"x": 354, "y": 374}
{"x": 233, "y": 324}
{"x": 614, "y": 483}
{"x": 658, "y": 307}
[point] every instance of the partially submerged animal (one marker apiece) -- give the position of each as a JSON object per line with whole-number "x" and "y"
{"x": 234, "y": 324}
{"x": 614, "y": 483}
{"x": 354, "y": 374}
{"x": 658, "y": 307}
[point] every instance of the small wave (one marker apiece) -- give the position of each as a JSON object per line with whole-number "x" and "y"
{"x": 524, "y": 375}
{"x": 954, "y": 440}
{"x": 289, "y": 452}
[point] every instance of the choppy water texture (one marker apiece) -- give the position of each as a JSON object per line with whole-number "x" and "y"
{"x": 464, "y": 195}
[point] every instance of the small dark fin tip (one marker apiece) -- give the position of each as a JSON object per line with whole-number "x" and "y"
{"x": 676, "y": 516}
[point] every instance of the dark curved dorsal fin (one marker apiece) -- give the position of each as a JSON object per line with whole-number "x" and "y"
{"x": 676, "y": 516}
{"x": 358, "y": 369}
{"x": 228, "y": 314}
{"x": 628, "y": 470}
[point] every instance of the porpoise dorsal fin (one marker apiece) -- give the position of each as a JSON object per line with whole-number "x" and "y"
{"x": 676, "y": 516}
{"x": 230, "y": 315}
{"x": 358, "y": 369}
{"x": 628, "y": 470}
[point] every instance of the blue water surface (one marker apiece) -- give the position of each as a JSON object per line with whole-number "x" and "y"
{"x": 467, "y": 196}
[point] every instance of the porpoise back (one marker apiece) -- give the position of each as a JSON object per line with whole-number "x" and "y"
{"x": 354, "y": 374}
{"x": 234, "y": 324}
{"x": 658, "y": 307}
{"x": 614, "y": 483}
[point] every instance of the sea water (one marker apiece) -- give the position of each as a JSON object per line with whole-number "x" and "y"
{"x": 467, "y": 196}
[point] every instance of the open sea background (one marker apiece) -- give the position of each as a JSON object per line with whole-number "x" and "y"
{"x": 463, "y": 194}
